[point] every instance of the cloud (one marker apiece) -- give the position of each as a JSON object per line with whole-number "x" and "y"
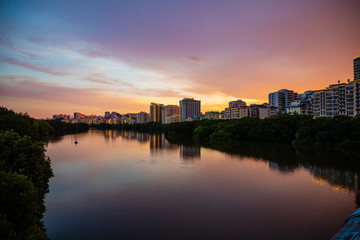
{"x": 194, "y": 59}
{"x": 102, "y": 78}
{"x": 32, "y": 67}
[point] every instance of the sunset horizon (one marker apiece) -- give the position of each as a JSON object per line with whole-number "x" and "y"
{"x": 61, "y": 57}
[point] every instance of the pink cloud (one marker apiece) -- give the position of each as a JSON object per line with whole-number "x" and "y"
{"x": 102, "y": 78}
{"x": 32, "y": 67}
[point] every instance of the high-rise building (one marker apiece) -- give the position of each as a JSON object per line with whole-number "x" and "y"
{"x": 156, "y": 112}
{"x": 189, "y": 107}
{"x": 167, "y": 111}
{"x": 357, "y": 68}
{"x": 282, "y": 99}
{"x": 143, "y": 117}
{"x": 172, "y": 109}
{"x": 78, "y": 115}
{"x": 107, "y": 114}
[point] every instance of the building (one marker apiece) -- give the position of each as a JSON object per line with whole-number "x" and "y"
{"x": 238, "y": 103}
{"x": 107, "y": 114}
{"x": 189, "y": 107}
{"x": 302, "y": 106}
{"x": 156, "y": 112}
{"x": 282, "y": 99}
{"x": 78, "y": 115}
{"x": 262, "y": 111}
{"x": 115, "y": 114}
{"x": 172, "y": 119}
{"x": 143, "y": 117}
{"x": 337, "y": 99}
{"x": 169, "y": 110}
{"x": 236, "y": 112}
{"x": 60, "y": 117}
{"x": 294, "y": 107}
{"x": 212, "y": 115}
{"x": 172, "y": 109}
{"x": 356, "y": 68}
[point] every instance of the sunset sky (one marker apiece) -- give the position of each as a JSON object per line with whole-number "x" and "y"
{"x": 95, "y": 56}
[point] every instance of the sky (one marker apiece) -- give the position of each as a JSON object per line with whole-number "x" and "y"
{"x": 94, "y": 56}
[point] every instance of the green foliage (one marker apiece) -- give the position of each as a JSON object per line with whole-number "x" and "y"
{"x": 43, "y": 128}
{"x": 37, "y": 129}
{"x": 20, "y": 214}
{"x": 24, "y": 180}
{"x": 296, "y": 129}
{"x": 20, "y": 123}
{"x": 21, "y": 154}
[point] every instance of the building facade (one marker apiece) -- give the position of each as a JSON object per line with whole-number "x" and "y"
{"x": 189, "y": 107}
{"x": 236, "y": 112}
{"x": 172, "y": 119}
{"x": 156, "y": 112}
{"x": 143, "y": 117}
{"x": 341, "y": 99}
{"x": 356, "y": 65}
{"x": 212, "y": 115}
{"x": 282, "y": 99}
{"x": 237, "y": 103}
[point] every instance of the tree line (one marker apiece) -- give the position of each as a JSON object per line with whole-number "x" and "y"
{"x": 340, "y": 131}
{"x": 23, "y": 124}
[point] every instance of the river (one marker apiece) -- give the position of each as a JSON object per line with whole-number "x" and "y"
{"x": 128, "y": 185}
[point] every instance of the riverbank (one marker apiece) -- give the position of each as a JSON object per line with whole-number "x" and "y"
{"x": 339, "y": 132}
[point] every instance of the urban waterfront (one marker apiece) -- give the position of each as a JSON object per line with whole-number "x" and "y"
{"x": 129, "y": 185}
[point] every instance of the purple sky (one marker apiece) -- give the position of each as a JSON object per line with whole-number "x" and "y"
{"x": 96, "y": 56}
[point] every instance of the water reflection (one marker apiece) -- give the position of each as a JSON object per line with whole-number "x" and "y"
{"x": 108, "y": 188}
{"x": 189, "y": 152}
{"x": 338, "y": 167}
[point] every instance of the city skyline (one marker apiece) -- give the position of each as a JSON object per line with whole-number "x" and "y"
{"x": 62, "y": 57}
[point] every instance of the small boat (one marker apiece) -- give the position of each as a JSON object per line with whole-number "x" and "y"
{"x": 76, "y": 142}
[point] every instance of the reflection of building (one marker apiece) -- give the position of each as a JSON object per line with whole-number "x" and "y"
{"x": 187, "y": 152}
{"x": 157, "y": 141}
{"x": 143, "y": 137}
{"x": 189, "y": 107}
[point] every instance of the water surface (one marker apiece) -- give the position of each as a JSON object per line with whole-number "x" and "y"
{"x": 128, "y": 185}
